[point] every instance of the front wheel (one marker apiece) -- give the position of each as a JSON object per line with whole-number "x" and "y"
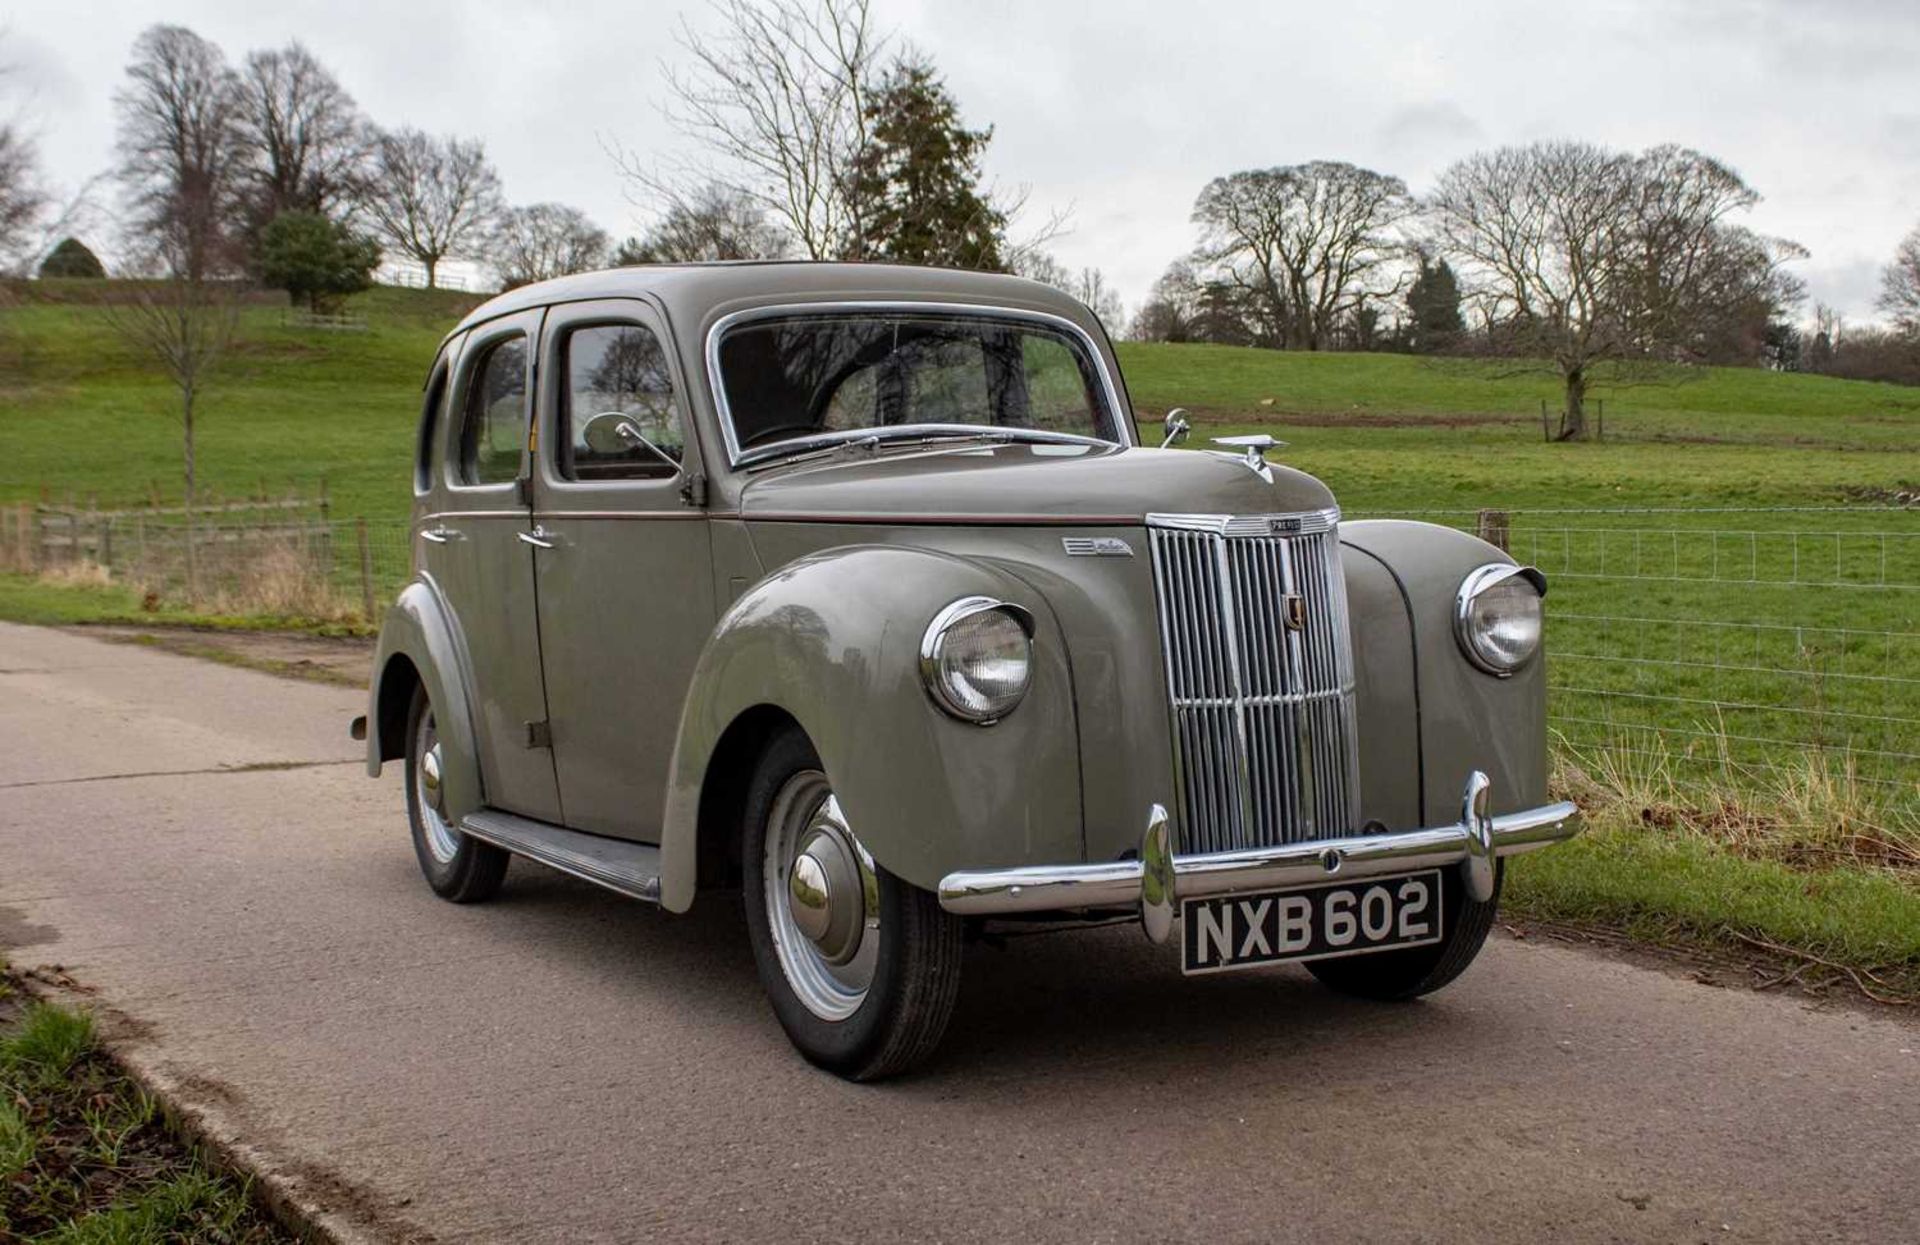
{"x": 1408, "y": 974}
{"x": 862, "y": 968}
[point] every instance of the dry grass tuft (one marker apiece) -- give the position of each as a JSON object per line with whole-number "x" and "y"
{"x": 85, "y": 574}
{"x": 1812, "y": 811}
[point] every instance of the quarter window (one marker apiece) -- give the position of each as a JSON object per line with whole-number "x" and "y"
{"x": 429, "y": 428}
{"x": 495, "y": 429}
{"x": 620, "y": 418}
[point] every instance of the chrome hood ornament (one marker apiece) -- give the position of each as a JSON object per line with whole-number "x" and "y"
{"x": 1256, "y": 446}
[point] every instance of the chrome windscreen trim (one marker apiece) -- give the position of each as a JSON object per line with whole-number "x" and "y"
{"x": 1117, "y": 410}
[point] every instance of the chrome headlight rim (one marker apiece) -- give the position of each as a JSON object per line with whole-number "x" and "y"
{"x": 1478, "y": 581}
{"x": 932, "y": 639}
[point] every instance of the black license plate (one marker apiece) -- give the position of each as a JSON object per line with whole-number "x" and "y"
{"x": 1311, "y": 923}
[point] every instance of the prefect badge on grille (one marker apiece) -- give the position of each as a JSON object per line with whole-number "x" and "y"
{"x": 1293, "y": 611}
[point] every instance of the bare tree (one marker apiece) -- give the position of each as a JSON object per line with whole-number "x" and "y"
{"x": 712, "y": 222}
{"x": 430, "y": 198}
{"x": 179, "y": 152}
{"x": 1311, "y": 243}
{"x": 184, "y": 324}
{"x": 1900, "y": 285}
{"x": 1585, "y": 258}
{"x": 304, "y": 142}
{"x": 778, "y": 103}
{"x": 23, "y": 196}
{"x": 1089, "y": 285}
{"x": 544, "y": 241}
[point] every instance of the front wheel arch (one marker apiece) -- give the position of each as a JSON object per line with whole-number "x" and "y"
{"x": 723, "y": 791}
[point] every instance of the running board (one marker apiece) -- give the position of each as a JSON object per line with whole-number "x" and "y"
{"x": 630, "y": 869}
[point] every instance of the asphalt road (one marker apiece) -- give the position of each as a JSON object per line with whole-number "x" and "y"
{"x": 199, "y": 846}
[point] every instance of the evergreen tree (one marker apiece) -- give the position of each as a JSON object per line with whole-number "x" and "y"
{"x": 314, "y": 259}
{"x": 917, "y": 184}
{"x": 1434, "y": 323}
{"x": 72, "y": 258}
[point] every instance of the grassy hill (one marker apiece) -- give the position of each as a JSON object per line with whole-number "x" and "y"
{"x": 79, "y": 414}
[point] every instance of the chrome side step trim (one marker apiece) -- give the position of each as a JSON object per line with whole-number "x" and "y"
{"x": 626, "y": 868}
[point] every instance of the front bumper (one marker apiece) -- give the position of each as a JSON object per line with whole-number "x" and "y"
{"x": 1157, "y": 881}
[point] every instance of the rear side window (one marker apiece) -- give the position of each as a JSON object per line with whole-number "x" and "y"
{"x": 495, "y": 425}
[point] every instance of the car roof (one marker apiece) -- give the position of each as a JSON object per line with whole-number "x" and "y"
{"x": 693, "y": 293}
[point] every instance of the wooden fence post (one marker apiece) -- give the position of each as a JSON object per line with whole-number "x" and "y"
{"x": 1494, "y": 528}
{"x": 366, "y": 569}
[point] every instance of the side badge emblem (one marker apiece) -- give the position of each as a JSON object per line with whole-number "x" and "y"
{"x": 1293, "y": 611}
{"x": 1096, "y": 546}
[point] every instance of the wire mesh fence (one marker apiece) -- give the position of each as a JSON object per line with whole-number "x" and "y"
{"x": 1743, "y": 648}
{"x": 268, "y": 559}
{"x": 1771, "y": 649}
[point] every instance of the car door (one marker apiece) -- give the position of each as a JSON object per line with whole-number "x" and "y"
{"x": 475, "y": 547}
{"x": 624, "y": 572}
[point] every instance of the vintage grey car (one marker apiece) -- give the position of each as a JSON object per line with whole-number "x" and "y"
{"x": 854, "y": 587}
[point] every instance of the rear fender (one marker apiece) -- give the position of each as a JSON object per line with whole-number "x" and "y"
{"x": 418, "y": 639}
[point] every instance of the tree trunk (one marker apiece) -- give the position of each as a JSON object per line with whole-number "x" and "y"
{"x": 186, "y": 441}
{"x": 1573, "y": 423}
{"x": 432, "y": 266}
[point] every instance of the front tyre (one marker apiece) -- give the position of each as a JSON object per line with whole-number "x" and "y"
{"x": 862, "y": 968}
{"x": 459, "y": 867}
{"x": 1392, "y": 976}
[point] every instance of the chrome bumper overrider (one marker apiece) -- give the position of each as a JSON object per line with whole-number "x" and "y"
{"x": 1160, "y": 879}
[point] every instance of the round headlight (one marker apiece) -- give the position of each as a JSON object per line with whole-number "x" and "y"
{"x": 977, "y": 658}
{"x": 1498, "y": 617}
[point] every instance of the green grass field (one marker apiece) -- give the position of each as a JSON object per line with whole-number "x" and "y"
{"x": 81, "y": 415}
{"x": 1757, "y": 670}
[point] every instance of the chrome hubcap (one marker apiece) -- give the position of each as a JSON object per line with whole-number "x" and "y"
{"x": 443, "y": 841}
{"x": 822, "y": 898}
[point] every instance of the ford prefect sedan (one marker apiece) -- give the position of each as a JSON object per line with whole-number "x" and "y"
{"x": 854, "y": 587}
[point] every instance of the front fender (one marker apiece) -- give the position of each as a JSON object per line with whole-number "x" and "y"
{"x": 1467, "y": 719}
{"x": 833, "y": 641}
{"x": 418, "y": 632}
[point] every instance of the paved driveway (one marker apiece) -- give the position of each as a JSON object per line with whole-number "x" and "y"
{"x": 199, "y": 845}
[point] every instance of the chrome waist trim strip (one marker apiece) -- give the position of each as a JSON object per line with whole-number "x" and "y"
{"x": 1470, "y": 843}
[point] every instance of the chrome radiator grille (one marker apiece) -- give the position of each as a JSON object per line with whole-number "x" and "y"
{"x": 1253, "y": 621}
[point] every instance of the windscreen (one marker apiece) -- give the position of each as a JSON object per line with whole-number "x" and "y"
{"x": 800, "y": 376}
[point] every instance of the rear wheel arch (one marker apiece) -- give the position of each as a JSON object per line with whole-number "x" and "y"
{"x": 398, "y": 679}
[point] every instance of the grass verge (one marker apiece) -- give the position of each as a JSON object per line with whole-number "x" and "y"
{"x": 87, "y": 1156}
{"x": 1694, "y": 878}
{"x": 51, "y": 603}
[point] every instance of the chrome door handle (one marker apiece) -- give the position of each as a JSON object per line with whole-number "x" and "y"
{"x": 439, "y": 535}
{"x": 539, "y": 538}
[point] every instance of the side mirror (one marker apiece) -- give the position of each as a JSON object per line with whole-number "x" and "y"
{"x": 612, "y": 433}
{"x": 1176, "y": 426}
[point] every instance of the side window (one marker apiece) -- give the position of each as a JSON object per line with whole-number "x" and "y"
{"x": 429, "y": 427}
{"x": 620, "y": 420}
{"x": 495, "y": 426}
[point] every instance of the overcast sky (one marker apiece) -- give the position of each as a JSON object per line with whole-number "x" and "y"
{"x": 1122, "y": 110}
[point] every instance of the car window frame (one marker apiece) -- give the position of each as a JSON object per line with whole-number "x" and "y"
{"x": 1120, "y": 414}
{"x": 554, "y": 392}
{"x": 479, "y": 344}
{"x": 427, "y": 436}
